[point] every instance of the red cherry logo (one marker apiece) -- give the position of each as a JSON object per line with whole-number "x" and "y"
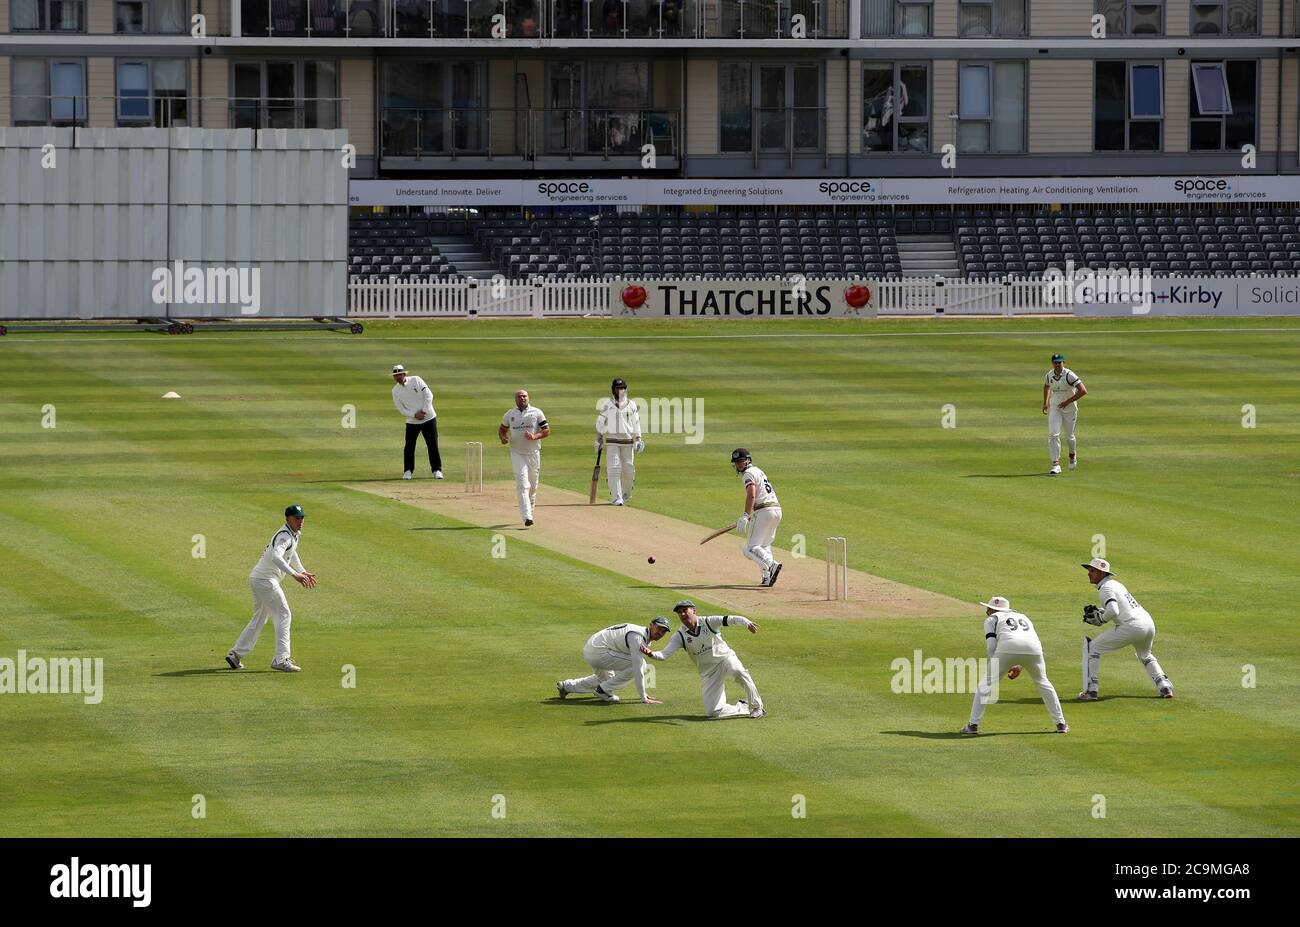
{"x": 857, "y": 295}
{"x": 634, "y": 297}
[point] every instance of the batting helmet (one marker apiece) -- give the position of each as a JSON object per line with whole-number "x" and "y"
{"x": 294, "y": 511}
{"x": 740, "y": 453}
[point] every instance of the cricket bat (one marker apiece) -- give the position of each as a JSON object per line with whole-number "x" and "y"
{"x": 595, "y": 476}
{"x": 719, "y": 533}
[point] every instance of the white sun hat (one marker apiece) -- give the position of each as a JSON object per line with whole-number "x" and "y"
{"x": 998, "y": 604}
{"x": 1096, "y": 563}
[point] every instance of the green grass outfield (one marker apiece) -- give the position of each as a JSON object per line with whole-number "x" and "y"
{"x": 456, "y": 653}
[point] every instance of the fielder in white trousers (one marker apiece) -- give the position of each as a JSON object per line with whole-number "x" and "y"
{"x": 1140, "y": 635}
{"x": 527, "y": 467}
{"x": 714, "y": 693}
{"x": 611, "y": 670}
{"x": 270, "y": 604}
{"x": 1058, "y": 420}
{"x": 1031, "y": 663}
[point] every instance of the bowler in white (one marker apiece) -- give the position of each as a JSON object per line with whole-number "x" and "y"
{"x": 523, "y": 428}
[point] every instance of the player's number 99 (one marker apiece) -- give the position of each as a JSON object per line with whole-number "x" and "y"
{"x": 1011, "y": 624}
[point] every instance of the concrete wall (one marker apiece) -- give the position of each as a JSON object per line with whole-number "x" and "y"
{"x": 101, "y": 88}
{"x": 944, "y": 102}
{"x": 1061, "y": 17}
{"x": 357, "y": 83}
{"x": 1178, "y": 89}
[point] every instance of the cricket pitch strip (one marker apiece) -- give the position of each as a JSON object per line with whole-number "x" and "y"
{"x": 622, "y": 539}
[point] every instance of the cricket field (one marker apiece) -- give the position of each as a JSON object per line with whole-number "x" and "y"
{"x": 431, "y": 647}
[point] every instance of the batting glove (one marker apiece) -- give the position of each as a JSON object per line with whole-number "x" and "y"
{"x": 742, "y": 522}
{"x": 596, "y": 446}
{"x": 639, "y": 446}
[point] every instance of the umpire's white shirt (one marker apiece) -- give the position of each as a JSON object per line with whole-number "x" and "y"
{"x": 280, "y": 557}
{"x": 414, "y": 396}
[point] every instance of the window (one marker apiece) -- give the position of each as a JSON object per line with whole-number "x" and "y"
{"x": 284, "y": 95}
{"x": 1133, "y": 17}
{"x": 1128, "y": 106}
{"x": 157, "y": 16}
{"x": 1223, "y": 105}
{"x": 48, "y": 92}
{"x": 734, "y": 107}
{"x": 895, "y": 107}
{"x": 1215, "y": 17}
{"x": 48, "y": 15}
{"x": 788, "y": 109}
{"x": 153, "y": 92}
{"x": 897, "y": 17}
{"x": 618, "y": 96}
{"x": 984, "y": 18}
{"x": 991, "y": 107}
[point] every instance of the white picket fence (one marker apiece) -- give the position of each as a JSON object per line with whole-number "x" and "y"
{"x": 403, "y": 297}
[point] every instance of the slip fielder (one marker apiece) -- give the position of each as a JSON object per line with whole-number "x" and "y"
{"x": 618, "y": 430}
{"x": 716, "y": 661}
{"x": 280, "y": 558}
{"x": 1012, "y": 641}
{"x": 523, "y": 428}
{"x": 617, "y": 656}
{"x": 1064, "y": 389}
{"x": 1134, "y": 627}
{"x": 762, "y": 506}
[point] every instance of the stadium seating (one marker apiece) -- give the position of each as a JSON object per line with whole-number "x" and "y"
{"x": 990, "y": 242}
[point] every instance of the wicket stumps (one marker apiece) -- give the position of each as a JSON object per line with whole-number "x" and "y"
{"x": 473, "y": 466}
{"x": 837, "y": 568}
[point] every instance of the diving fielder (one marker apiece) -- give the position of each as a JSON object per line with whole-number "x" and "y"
{"x": 717, "y": 662}
{"x": 1012, "y": 642}
{"x": 618, "y": 430}
{"x": 617, "y": 657}
{"x": 763, "y": 508}
{"x": 523, "y": 428}
{"x": 1133, "y": 626}
{"x": 279, "y": 558}
{"x": 1064, "y": 389}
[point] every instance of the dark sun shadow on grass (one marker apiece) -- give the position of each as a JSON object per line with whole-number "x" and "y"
{"x": 212, "y": 671}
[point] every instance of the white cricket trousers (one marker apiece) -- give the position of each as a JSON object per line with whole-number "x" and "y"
{"x": 1056, "y": 420}
{"x": 762, "y": 532}
{"x": 268, "y": 602}
{"x": 1140, "y": 635}
{"x": 713, "y": 688}
{"x": 527, "y": 466}
{"x": 1031, "y": 663}
{"x": 612, "y": 670}
{"x": 620, "y": 470}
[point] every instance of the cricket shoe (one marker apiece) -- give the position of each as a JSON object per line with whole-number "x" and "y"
{"x": 1167, "y": 692}
{"x": 606, "y": 696}
{"x": 1063, "y": 728}
{"x": 528, "y": 522}
{"x": 406, "y": 475}
{"x": 970, "y": 729}
{"x": 437, "y": 474}
{"x": 773, "y": 574}
{"x": 617, "y": 502}
{"x": 288, "y": 666}
{"x": 1074, "y": 463}
{"x": 233, "y": 660}
{"x": 757, "y": 713}
{"x": 1088, "y": 696}
{"x": 1056, "y": 468}
{"x": 559, "y": 687}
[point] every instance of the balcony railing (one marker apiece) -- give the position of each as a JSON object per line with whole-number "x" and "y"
{"x": 531, "y": 19}
{"x": 175, "y": 110}
{"x": 527, "y": 134}
{"x": 789, "y": 131}
{"x": 284, "y": 112}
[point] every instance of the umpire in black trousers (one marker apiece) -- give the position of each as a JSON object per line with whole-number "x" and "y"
{"x": 414, "y": 400}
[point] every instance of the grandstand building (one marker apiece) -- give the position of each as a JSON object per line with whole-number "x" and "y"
{"x": 761, "y": 89}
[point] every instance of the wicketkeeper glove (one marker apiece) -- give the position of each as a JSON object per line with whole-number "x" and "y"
{"x": 1093, "y": 615}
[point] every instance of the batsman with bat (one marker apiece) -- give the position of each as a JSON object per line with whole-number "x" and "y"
{"x": 618, "y": 432}
{"x": 1133, "y": 627}
{"x": 762, "y": 507}
{"x": 1012, "y": 642}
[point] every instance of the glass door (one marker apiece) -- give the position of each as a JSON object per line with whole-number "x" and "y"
{"x": 772, "y": 108}
{"x": 564, "y": 107}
